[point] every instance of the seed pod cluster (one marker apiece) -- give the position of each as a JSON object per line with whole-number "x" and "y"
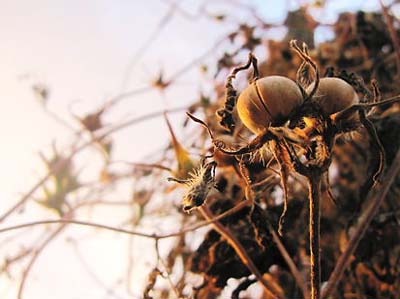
{"x": 271, "y": 100}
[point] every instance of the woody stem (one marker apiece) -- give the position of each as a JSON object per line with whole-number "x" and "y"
{"x": 314, "y": 184}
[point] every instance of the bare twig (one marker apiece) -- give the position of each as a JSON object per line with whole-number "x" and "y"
{"x": 127, "y": 94}
{"x": 8, "y": 261}
{"x": 145, "y": 165}
{"x": 118, "y": 98}
{"x": 314, "y": 183}
{"x": 289, "y": 261}
{"x": 129, "y": 232}
{"x": 242, "y": 253}
{"x": 84, "y": 223}
{"x": 233, "y": 241}
{"x": 136, "y": 120}
{"x": 61, "y": 121}
{"x": 35, "y": 255}
{"x": 146, "y": 45}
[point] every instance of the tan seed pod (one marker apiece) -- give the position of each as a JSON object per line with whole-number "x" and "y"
{"x": 268, "y": 101}
{"x": 334, "y": 95}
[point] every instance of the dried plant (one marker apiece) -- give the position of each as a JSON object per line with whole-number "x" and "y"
{"x": 296, "y": 175}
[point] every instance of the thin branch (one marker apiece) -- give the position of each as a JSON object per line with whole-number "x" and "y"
{"x": 314, "y": 182}
{"x": 61, "y": 121}
{"x": 35, "y": 255}
{"x": 172, "y": 78}
{"x": 375, "y": 200}
{"x": 242, "y": 253}
{"x": 8, "y": 261}
{"x": 167, "y": 270}
{"x": 140, "y": 165}
{"x": 84, "y": 223}
{"x": 129, "y": 232}
{"x": 127, "y": 94}
{"x": 146, "y": 45}
{"x": 346, "y": 113}
{"x": 140, "y": 119}
{"x": 301, "y": 283}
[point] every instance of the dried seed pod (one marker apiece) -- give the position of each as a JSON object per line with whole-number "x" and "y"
{"x": 333, "y": 95}
{"x": 268, "y": 101}
{"x": 200, "y": 184}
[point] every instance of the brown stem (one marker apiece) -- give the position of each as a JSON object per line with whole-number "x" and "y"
{"x": 242, "y": 253}
{"x": 238, "y": 207}
{"x": 314, "y": 183}
{"x": 375, "y": 200}
{"x": 289, "y": 261}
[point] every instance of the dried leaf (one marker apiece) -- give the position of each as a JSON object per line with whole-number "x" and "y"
{"x": 185, "y": 162}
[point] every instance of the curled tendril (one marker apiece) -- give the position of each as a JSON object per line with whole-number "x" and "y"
{"x": 303, "y": 53}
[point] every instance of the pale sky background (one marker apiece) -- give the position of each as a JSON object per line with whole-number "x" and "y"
{"x": 81, "y": 50}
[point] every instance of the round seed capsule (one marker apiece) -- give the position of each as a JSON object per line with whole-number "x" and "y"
{"x": 268, "y": 101}
{"x": 334, "y": 95}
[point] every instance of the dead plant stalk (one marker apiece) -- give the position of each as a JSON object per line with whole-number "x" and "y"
{"x": 314, "y": 184}
{"x": 241, "y": 252}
